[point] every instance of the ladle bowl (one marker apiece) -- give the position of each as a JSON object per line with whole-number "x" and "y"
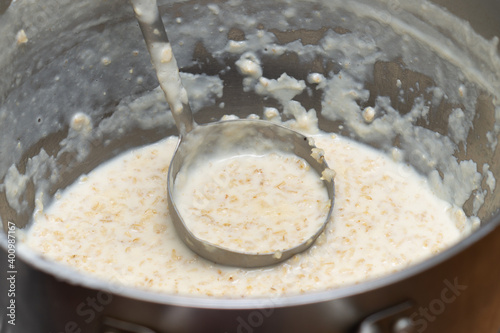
{"x": 243, "y": 136}
{"x": 197, "y": 141}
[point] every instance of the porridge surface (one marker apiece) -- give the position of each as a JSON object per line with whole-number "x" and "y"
{"x": 114, "y": 224}
{"x": 252, "y": 203}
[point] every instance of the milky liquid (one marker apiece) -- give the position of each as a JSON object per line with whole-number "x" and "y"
{"x": 252, "y": 203}
{"x": 114, "y": 224}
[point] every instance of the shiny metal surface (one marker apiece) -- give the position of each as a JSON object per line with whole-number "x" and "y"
{"x": 455, "y": 291}
{"x": 215, "y": 136}
{"x": 237, "y": 137}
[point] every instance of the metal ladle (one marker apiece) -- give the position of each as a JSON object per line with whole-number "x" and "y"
{"x": 197, "y": 141}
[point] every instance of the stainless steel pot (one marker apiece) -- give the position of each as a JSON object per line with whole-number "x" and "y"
{"x": 79, "y": 57}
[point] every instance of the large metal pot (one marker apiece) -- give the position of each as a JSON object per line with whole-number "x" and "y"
{"x": 78, "y": 58}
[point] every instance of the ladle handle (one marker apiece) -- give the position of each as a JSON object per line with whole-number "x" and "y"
{"x": 162, "y": 57}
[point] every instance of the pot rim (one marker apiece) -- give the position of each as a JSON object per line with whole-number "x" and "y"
{"x": 69, "y": 275}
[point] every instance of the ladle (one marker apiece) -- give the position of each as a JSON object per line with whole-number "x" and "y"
{"x": 201, "y": 140}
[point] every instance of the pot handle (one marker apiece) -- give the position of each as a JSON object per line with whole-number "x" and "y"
{"x": 391, "y": 320}
{"x": 112, "y": 325}
{"x": 394, "y": 319}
